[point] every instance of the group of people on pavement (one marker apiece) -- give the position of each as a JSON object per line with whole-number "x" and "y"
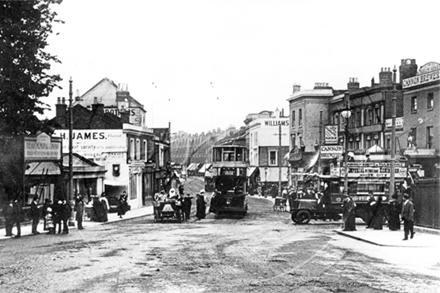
{"x": 396, "y": 212}
{"x": 56, "y": 214}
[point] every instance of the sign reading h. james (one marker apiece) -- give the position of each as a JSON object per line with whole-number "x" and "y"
{"x": 92, "y": 143}
{"x": 43, "y": 147}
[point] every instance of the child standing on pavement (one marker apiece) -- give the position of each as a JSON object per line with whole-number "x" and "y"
{"x": 49, "y": 221}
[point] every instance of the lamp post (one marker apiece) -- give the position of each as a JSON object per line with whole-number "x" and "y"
{"x": 265, "y": 181}
{"x": 346, "y": 114}
{"x": 70, "y": 193}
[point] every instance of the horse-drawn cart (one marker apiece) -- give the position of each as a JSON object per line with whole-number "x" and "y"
{"x": 167, "y": 210}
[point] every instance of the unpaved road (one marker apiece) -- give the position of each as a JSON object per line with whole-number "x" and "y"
{"x": 262, "y": 252}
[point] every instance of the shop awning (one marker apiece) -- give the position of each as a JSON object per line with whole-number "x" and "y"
{"x": 114, "y": 183}
{"x": 42, "y": 168}
{"x": 251, "y": 171}
{"x": 375, "y": 149}
{"x": 204, "y": 168}
{"x": 307, "y": 162}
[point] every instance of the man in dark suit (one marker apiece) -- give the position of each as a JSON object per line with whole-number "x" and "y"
{"x": 8, "y": 212}
{"x": 408, "y": 217}
{"x": 17, "y": 214}
{"x": 35, "y": 215}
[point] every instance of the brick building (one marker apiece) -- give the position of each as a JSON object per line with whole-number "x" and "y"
{"x": 110, "y": 131}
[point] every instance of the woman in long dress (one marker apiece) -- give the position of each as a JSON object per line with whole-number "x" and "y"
{"x": 201, "y": 205}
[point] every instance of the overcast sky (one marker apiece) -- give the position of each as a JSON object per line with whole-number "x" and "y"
{"x": 207, "y": 64}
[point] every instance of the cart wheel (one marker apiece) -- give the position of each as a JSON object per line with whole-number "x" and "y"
{"x": 303, "y": 217}
{"x": 294, "y": 217}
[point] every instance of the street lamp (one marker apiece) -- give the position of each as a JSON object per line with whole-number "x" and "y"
{"x": 265, "y": 181}
{"x": 346, "y": 114}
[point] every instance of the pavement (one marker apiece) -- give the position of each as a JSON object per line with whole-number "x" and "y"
{"x": 424, "y": 237}
{"x": 26, "y": 228}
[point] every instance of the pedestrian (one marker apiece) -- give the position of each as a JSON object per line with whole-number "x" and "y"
{"x": 8, "y": 213}
{"x": 186, "y": 206}
{"x": 371, "y": 204}
{"x": 46, "y": 205}
{"x": 181, "y": 190}
{"x": 17, "y": 215}
{"x": 98, "y": 211}
{"x": 104, "y": 201}
{"x": 408, "y": 217}
{"x": 34, "y": 213}
{"x": 377, "y": 214}
{"x": 79, "y": 209}
{"x": 57, "y": 214}
{"x": 65, "y": 216}
{"x": 48, "y": 219}
{"x": 122, "y": 204}
{"x": 394, "y": 209}
{"x": 348, "y": 214}
{"x": 201, "y": 205}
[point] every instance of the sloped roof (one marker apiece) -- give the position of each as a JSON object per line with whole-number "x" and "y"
{"x": 238, "y": 139}
{"x": 105, "y": 90}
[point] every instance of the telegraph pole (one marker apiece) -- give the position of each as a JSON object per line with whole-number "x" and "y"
{"x": 279, "y": 160}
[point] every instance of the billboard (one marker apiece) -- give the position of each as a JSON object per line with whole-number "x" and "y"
{"x": 42, "y": 148}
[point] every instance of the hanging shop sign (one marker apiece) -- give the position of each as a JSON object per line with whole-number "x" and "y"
{"x": 331, "y": 134}
{"x": 331, "y": 151}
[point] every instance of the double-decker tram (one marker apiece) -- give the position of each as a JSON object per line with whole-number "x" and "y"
{"x": 229, "y": 177}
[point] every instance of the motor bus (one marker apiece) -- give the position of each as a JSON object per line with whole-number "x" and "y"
{"x": 230, "y": 194}
{"x": 362, "y": 177}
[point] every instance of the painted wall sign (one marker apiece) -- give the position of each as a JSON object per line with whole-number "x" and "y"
{"x": 276, "y": 122}
{"x": 92, "y": 143}
{"x": 42, "y": 147}
{"x": 427, "y": 73}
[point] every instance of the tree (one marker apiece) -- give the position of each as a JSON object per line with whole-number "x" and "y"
{"x": 24, "y": 80}
{"x": 24, "y": 65}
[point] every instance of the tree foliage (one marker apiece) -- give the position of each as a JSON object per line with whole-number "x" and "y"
{"x": 24, "y": 64}
{"x": 24, "y": 80}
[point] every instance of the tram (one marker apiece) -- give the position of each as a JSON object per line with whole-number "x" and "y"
{"x": 229, "y": 167}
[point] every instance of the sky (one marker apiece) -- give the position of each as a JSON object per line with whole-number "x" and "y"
{"x": 207, "y": 64}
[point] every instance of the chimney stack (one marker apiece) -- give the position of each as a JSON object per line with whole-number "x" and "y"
{"x": 385, "y": 77}
{"x": 97, "y": 108}
{"x": 407, "y": 69}
{"x": 61, "y": 112}
{"x": 352, "y": 84}
{"x": 296, "y": 88}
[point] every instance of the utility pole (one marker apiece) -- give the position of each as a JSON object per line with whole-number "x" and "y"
{"x": 279, "y": 160}
{"x": 393, "y": 135}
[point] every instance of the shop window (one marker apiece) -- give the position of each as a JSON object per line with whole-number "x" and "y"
{"x": 377, "y": 115}
{"x": 300, "y": 118}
